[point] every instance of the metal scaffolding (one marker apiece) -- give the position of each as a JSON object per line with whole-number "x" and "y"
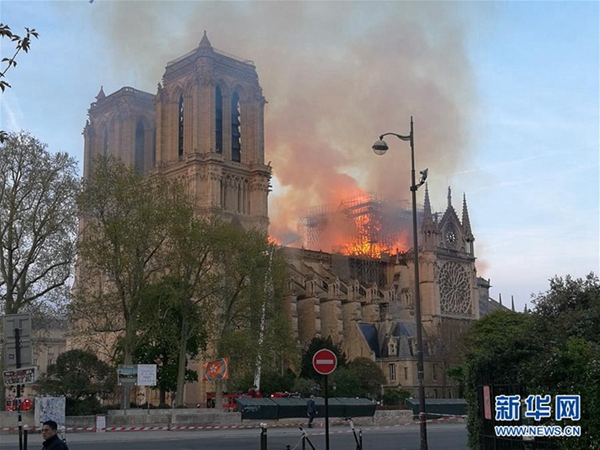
{"x": 366, "y": 226}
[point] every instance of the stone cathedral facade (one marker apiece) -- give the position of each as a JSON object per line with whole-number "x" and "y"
{"x": 205, "y": 126}
{"x": 366, "y": 305}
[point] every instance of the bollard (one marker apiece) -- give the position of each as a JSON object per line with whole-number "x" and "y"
{"x": 25, "y": 433}
{"x": 360, "y": 439}
{"x": 263, "y": 436}
{"x": 303, "y": 442}
{"x": 20, "y": 431}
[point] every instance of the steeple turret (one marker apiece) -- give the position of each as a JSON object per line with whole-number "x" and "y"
{"x": 466, "y": 222}
{"x": 427, "y": 215}
{"x": 428, "y": 225}
{"x": 101, "y": 95}
{"x": 204, "y": 42}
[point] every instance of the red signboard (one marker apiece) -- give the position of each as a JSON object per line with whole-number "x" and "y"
{"x": 324, "y": 361}
{"x": 487, "y": 403}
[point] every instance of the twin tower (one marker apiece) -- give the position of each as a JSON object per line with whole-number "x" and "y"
{"x": 204, "y": 126}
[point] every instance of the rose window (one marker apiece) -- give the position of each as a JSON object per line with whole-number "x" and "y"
{"x": 455, "y": 291}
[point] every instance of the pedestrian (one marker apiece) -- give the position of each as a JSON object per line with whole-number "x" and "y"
{"x": 311, "y": 410}
{"x": 51, "y": 439}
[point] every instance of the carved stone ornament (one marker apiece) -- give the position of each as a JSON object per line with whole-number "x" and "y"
{"x": 455, "y": 289}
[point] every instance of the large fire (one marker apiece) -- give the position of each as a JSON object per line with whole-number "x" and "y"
{"x": 367, "y": 226}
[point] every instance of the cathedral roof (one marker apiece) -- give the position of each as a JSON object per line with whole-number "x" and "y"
{"x": 370, "y": 334}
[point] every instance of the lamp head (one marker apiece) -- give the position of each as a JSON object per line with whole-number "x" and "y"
{"x": 380, "y": 147}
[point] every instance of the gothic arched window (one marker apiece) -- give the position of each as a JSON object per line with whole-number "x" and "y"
{"x": 139, "y": 146}
{"x": 236, "y": 134}
{"x": 180, "y": 123}
{"x": 455, "y": 289}
{"x": 218, "y": 120}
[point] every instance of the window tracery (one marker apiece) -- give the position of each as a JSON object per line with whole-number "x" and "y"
{"x": 455, "y": 289}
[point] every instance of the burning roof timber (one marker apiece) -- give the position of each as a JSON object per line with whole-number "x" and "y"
{"x": 368, "y": 225}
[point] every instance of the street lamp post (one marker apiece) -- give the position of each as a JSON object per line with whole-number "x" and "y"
{"x": 380, "y": 147}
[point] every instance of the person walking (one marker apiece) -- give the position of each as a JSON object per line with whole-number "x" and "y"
{"x": 311, "y": 410}
{"x": 51, "y": 439}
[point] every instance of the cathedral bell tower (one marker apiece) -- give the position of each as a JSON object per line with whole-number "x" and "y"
{"x": 205, "y": 126}
{"x": 210, "y": 134}
{"x": 449, "y": 278}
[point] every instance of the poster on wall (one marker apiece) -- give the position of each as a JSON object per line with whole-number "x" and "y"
{"x": 127, "y": 374}
{"x": 146, "y": 374}
{"x": 49, "y": 408}
{"x": 216, "y": 370}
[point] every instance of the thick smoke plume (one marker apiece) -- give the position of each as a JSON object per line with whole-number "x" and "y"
{"x": 336, "y": 76}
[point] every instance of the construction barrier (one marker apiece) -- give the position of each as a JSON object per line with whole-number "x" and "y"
{"x": 448, "y": 418}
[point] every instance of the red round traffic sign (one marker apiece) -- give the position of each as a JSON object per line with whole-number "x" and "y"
{"x": 324, "y": 361}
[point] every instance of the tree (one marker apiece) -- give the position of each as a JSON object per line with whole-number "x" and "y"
{"x": 194, "y": 243}
{"x": 369, "y": 374}
{"x": 498, "y": 350}
{"x": 22, "y": 44}
{"x": 37, "y": 226}
{"x": 566, "y": 323}
{"x": 125, "y": 223}
{"x": 159, "y": 339}
{"x": 447, "y": 347}
{"x": 251, "y": 321}
{"x": 551, "y": 351}
{"x": 38, "y": 223}
{"x": 81, "y": 378}
{"x": 345, "y": 383}
{"x": 272, "y": 382}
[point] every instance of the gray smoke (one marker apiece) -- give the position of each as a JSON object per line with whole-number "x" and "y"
{"x": 335, "y": 74}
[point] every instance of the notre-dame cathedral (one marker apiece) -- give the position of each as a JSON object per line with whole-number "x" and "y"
{"x": 205, "y": 126}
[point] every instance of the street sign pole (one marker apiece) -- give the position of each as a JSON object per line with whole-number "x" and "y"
{"x": 18, "y": 364}
{"x": 324, "y": 363}
{"x": 326, "y": 412}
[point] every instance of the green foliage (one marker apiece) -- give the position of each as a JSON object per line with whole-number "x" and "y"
{"x": 345, "y": 383}
{"x": 306, "y": 387}
{"x": 318, "y": 343}
{"x": 370, "y": 375}
{"x": 22, "y": 43}
{"x": 271, "y": 382}
{"x": 81, "y": 378}
{"x": 126, "y": 223}
{"x": 567, "y": 322}
{"x": 38, "y": 218}
{"x": 250, "y": 316}
{"x": 395, "y": 396}
{"x": 498, "y": 345}
{"x": 164, "y": 310}
{"x": 554, "y": 350}
{"x": 168, "y": 282}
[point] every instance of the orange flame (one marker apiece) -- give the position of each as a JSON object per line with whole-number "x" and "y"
{"x": 366, "y": 225}
{"x": 369, "y": 242}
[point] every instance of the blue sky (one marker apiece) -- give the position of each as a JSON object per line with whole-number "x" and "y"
{"x": 505, "y": 97}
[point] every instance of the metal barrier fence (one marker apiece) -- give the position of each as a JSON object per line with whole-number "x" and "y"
{"x": 305, "y": 441}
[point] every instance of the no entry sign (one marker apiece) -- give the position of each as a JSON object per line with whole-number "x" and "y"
{"x": 324, "y": 361}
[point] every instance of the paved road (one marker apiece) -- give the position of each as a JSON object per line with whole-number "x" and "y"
{"x": 440, "y": 436}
